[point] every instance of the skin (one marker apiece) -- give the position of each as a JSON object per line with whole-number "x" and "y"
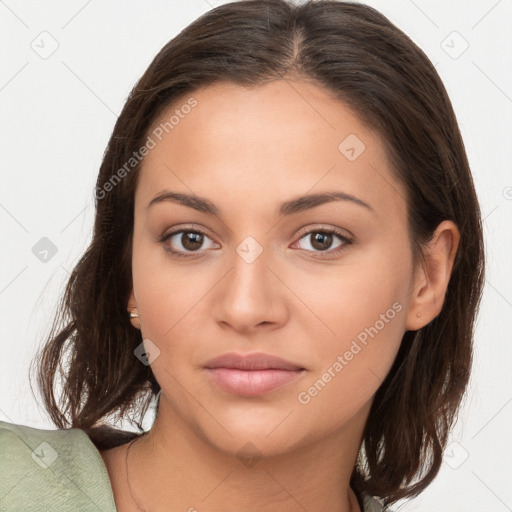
{"x": 247, "y": 150}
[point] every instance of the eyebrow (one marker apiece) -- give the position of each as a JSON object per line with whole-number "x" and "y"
{"x": 290, "y": 207}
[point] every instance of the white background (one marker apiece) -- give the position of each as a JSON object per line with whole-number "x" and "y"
{"x": 58, "y": 113}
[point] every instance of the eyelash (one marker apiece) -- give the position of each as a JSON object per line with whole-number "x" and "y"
{"x": 323, "y": 254}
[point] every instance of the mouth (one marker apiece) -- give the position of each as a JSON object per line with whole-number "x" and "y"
{"x": 253, "y": 374}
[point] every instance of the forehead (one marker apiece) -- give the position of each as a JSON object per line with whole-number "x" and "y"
{"x": 268, "y": 143}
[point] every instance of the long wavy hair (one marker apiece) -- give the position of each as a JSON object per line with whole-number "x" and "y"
{"x": 87, "y": 371}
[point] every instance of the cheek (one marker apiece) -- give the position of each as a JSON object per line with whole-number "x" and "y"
{"x": 369, "y": 289}
{"x": 165, "y": 292}
{"x": 353, "y": 362}
{"x": 363, "y": 308}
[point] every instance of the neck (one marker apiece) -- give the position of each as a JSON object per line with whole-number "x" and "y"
{"x": 175, "y": 468}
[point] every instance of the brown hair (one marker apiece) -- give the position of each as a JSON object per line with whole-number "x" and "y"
{"x": 359, "y": 56}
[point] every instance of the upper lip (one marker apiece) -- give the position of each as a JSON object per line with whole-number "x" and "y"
{"x": 254, "y": 361}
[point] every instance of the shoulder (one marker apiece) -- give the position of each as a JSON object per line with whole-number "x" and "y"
{"x": 51, "y": 470}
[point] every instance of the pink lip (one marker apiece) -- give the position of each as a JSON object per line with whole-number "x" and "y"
{"x": 252, "y": 374}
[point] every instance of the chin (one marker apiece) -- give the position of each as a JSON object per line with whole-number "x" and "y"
{"x": 257, "y": 432}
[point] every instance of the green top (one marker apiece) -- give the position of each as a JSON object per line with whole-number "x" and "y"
{"x": 61, "y": 470}
{"x": 51, "y": 470}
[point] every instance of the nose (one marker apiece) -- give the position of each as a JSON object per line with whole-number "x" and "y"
{"x": 250, "y": 297}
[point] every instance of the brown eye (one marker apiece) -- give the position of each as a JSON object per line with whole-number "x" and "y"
{"x": 187, "y": 242}
{"x": 191, "y": 240}
{"x": 323, "y": 242}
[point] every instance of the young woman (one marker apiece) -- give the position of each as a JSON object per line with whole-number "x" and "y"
{"x": 287, "y": 259}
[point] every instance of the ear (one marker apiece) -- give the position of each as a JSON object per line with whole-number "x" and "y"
{"x": 432, "y": 276}
{"x": 132, "y": 308}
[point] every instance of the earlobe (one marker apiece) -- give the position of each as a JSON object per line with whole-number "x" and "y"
{"x": 433, "y": 276}
{"x": 133, "y": 311}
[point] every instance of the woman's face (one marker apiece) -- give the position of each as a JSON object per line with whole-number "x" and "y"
{"x": 322, "y": 283}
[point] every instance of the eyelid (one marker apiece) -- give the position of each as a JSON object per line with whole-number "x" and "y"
{"x": 185, "y": 227}
{"x": 180, "y": 229}
{"x": 346, "y": 237}
{"x": 343, "y": 233}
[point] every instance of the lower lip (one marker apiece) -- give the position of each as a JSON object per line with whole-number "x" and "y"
{"x": 251, "y": 382}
